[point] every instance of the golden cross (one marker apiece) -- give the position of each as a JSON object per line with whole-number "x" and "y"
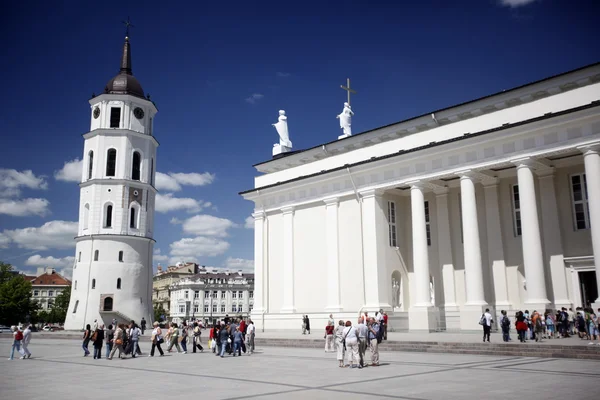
{"x": 348, "y": 89}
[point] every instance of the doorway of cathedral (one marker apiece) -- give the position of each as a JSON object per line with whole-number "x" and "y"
{"x": 108, "y": 304}
{"x": 588, "y": 287}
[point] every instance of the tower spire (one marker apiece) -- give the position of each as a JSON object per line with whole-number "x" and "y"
{"x": 126, "y": 58}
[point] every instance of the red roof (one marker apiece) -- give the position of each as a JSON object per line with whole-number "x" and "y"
{"x": 51, "y": 279}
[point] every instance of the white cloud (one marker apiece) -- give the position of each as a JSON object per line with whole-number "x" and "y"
{"x": 11, "y": 181}
{"x": 283, "y": 74}
{"x": 70, "y": 172}
{"x": 51, "y": 235}
{"x": 207, "y": 225}
{"x": 249, "y": 223}
{"x": 516, "y": 3}
{"x": 254, "y": 97}
{"x": 157, "y": 256}
{"x": 24, "y": 207}
{"x": 67, "y": 273}
{"x": 189, "y": 249}
{"x": 175, "y": 221}
{"x": 173, "y": 181}
{"x": 239, "y": 263}
{"x": 4, "y": 241}
{"x": 39, "y": 261}
{"x": 166, "y": 203}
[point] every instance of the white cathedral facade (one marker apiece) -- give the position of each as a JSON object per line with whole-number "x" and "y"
{"x": 493, "y": 203}
{"x": 112, "y": 275}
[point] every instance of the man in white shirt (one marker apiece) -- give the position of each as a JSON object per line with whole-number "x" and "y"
{"x": 487, "y": 324}
{"x": 25, "y": 342}
{"x": 361, "y": 333}
{"x": 250, "y": 330}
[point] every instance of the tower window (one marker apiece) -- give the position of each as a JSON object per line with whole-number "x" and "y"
{"x": 111, "y": 162}
{"x": 96, "y": 255}
{"x": 86, "y": 216}
{"x": 115, "y": 117}
{"x": 152, "y": 171}
{"x": 90, "y": 163}
{"x": 135, "y": 168}
{"x": 121, "y": 256}
{"x": 118, "y": 283}
{"x": 108, "y": 222}
{"x": 79, "y": 257}
{"x": 76, "y": 305}
{"x": 94, "y": 282}
{"x": 132, "y": 221}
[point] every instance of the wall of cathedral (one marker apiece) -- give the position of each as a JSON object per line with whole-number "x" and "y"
{"x": 275, "y": 262}
{"x": 350, "y": 255}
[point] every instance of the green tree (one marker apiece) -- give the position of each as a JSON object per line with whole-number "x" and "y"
{"x": 58, "y": 313}
{"x": 159, "y": 311}
{"x": 16, "y": 304}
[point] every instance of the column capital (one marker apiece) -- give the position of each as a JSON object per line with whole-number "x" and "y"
{"x": 477, "y": 176}
{"x": 421, "y": 184}
{"x": 258, "y": 215}
{"x": 540, "y": 167}
{"x": 330, "y": 201}
{"x": 288, "y": 210}
{"x": 365, "y": 194}
{"x": 589, "y": 148}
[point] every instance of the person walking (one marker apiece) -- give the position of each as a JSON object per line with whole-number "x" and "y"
{"x": 174, "y": 338}
{"x": 373, "y": 338}
{"x": 329, "y": 338}
{"x": 339, "y": 342}
{"x": 17, "y": 338}
{"x": 361, "y": 333}
{"x": 157, "y": 339}
{"x": 87, "y": 336}
{"x": 196, "y": 343}
{"x": 184, "y": 337}
{"x": 223, "y": 338}
{"x": 238, "y": 339}
{"x": 134, "y": 336}
{"x": 25, "y": 353}
{"x": 351, "y": 339}
{"x": 307, "y": 325}
{"x": 486, "y": 321}
{"x": 505, "y": 325}
{"x": 521, "y": 326}
{"x": 109, "y": 335}
{"x": 98, "y": 342}
{"x": 143, "y": 325}
{"x": 250, "y": 332}
{"x": 118, "y": 341}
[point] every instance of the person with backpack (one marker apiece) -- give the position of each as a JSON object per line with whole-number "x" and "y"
{"x": 87, "y": 336}
{"x": 538, "y": 325}
{"x": 196, "y": 339}
{"x": 109, "y": 335}
{"x": 375, "y": 336}
{"x": 486, "y": 321}
{"x": 184, "y": 337}
{"x": 505, "y": 325}
{"x": 98, "y": 342}
{"x": 17, "y": 337}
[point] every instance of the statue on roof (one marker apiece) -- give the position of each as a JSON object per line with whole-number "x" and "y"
{"x": 284, "y": 144}
{"x": 345, "y": 118}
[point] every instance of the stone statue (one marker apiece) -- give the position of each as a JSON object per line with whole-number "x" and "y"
{"x": 346, "y": 121}
{"x": 396, "y": 301}
{"x": 284, "y": 144}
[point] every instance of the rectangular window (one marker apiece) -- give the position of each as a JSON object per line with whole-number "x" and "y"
{"x": 36, "y": 293}
{"x": 50, "y": 293}
{"x": 234, "y": 295}
{"x": 240, "y": 295}
{"x": 75, "y": 307}
{"x": 79, "y": 257}
{"x": 206, "y": 309}
{"x": 215, "y": 294}
{"x": 214, "y": 309}
{"x": 234, "y": 308}
{"x": 222, "y": 308}
{"x": 427, "y": 223}
{"x": 196, "y": 294}
{"x": 581, "y": 208}
{"x": 181, "y": 308}
{"x": 121, "y": 256}
{"x": 516, "y": 206}
{"x": 252, "y": 294}
{"x": 391, "y": 217}
{"x": 187, "y": 293}
{"x": 206, "y": 294}
{"x": 240, "y": 308}
{"x": 195, "y": 308}
{"x": 115, "y": 117}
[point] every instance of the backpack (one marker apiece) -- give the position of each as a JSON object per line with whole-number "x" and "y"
{"x": 505, "y": 322}
{"x": 19, "y": 335}
{"x": 482, "y": 319}
{"x": 538, "y": 322}
{"x": 379, "y": 336}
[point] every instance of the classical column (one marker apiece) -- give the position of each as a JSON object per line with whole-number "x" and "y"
{"x": 374, "y": 242}
{"x": 495, "y": 244}
{"x": 591, "y": 159}
{"x": 471, "y": 242}
{"x": 333, "y": 257}
{"x": 420, "y": 249}
{"x": 445, "y": 247}
{"x": 553, "y": 248}
{"x": 288, "y": 260}
{"x": 259, "y": 263}
{"x": 533, "y": 259}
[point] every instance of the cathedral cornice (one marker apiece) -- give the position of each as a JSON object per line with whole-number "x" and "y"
{"x": 119, "y": 132}
{"x": 112, "y": 181}
{"x": 112, "y": 236}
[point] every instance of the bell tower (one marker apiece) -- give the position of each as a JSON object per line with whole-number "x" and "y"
{"x": 112, "y": 274}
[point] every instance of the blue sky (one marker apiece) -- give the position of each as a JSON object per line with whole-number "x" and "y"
{"x": 218, "y": 75}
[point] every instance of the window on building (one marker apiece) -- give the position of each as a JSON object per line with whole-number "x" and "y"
{"x": 181, "y": 308}
{"x": 195, "y": 308}
{"x": 108, "y": 218}
{"x": 215, "y": 294}
{"x": 240, "y": 295}
{"x": 240, "y": 308}
{"x": 111, "y": 162}
{"x": 96, "y": 255}
{"x": 187, "y": 294}
{"x": 250, "y": 308}
{"x": 581, "y": 208}
{"x": 196, "y": 294}
{"x": 75, "y": 307}
{"x": 223, "y": 294}
{"x": 75, "y": 286}
{"x": 516, "y": 208}
{"x": 86, "y": 216}
{"x": 251, "y": 294}
{"x": 115, "y": 117}
{"x": 222, "y": 308}
{"x": 152, "y": 171}
{"x": 79, "y": 257}
{"x": 36, "y": 293}
{"x": 136, "y": 166}
{"x": 118, "y": 283}
{"x": 234, "y": 295}
{"x": 206, "y": 309}
{"x": 234, "y": 308}
{"x": 50, "y": 293}
{"x": 93, "y": 284}
{"x": 206, "y": 294}
{"x": 391, "y": 217}
{"x": 427, "y": 223}
{"x": 132, "y": 220}
{"x": 90, "y": 164}
{"x": 50, "y": 303}
{"x": 214, "y": 308}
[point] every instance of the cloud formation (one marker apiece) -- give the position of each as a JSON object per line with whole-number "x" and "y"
{"x": 166, "y": 203}
{"x": 39, "y": 261}
{"x": 70, "y": 172}
{"x": 11, "y": 182}
{"x": 239, "y": 263}
{"x": 249, "y": 223}
{"x": 24, "y": 207}
{"x": 283, "y": 74}
{"x": 173, "y": 181}
{"x": 158, "y": 257}
{"x": 207, "y": 225}
{"x": 516, "y": 3}
{"x": 189, "y": 249}
{"x": 52, "y": 235}
{"x": 254, "y": 97}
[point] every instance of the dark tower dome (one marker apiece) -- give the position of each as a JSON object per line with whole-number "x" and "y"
{"x": 125, "y": 82}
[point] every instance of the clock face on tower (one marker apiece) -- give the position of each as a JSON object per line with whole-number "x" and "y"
{"x": 96, "y": 112}
{"x": 138, "y": 112}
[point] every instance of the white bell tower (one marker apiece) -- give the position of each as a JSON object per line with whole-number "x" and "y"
{"x": 112, "y": 275}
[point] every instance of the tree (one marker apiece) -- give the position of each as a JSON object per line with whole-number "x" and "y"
{"x": 159, "y": 311}
{"x": 16, "y": 304}
{"x": 61, "y": 305}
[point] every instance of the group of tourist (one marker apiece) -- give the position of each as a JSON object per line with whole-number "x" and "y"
{"x": 232, "y": 336}
{"x": 21, "y": 339}
{"x": 551, "y": 325}
{"x": 352, "y": 340}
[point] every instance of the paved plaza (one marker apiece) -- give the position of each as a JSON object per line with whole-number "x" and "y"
{"x": 57, "y": 369}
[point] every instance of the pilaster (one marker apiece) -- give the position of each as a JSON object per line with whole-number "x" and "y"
{"x": 261, "y": 286}
{"x": 288, "y": 260}
{"x": 333, "y": 259}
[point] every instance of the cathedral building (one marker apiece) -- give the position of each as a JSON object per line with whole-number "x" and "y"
{"x": 493, "y": 203}
{"x": 112, "y": 275}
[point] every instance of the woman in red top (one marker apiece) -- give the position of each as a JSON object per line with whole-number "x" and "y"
{"x": 329, "y": 338}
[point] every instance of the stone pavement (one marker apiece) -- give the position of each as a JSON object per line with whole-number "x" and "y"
{"x": 58, "y": 370}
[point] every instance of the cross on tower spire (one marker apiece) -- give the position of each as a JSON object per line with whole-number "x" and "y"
{"x": 127, "y": 26}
